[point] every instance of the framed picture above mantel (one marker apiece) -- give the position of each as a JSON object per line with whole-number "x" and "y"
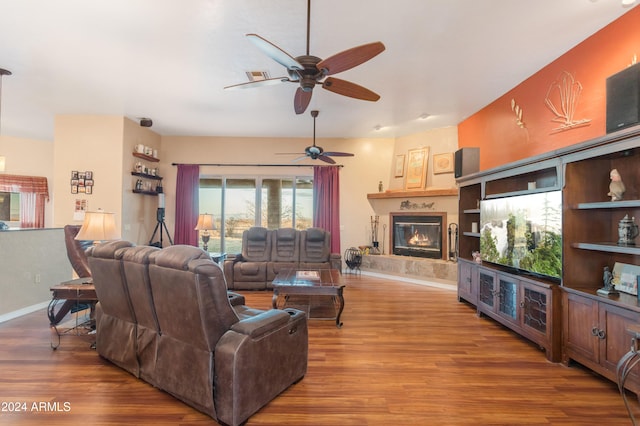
{"x": 417, "y": 168}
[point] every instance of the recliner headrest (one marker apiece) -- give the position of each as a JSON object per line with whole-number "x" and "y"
{"x": 316, "y": 234}
{"x": 178, "y": 256}
{"x": 257, "y": 233}
{"x": 108, "y": 250}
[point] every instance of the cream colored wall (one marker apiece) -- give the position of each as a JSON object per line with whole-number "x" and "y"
{"x": 30, "y": 157}
{"x": 138, "y": 216}
{"x": 438, "y": 141}
{"x": 359, "y": 176}
{"x": 88, "y": 143}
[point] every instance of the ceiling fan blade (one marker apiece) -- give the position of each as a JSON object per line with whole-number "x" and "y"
{"x": 346, "y": 88}
{"x": 326, "y": 159}
{"x": 301, "y": 100}
{"x": 350, "y": 58}
{"x": 338, "y": 154}
{"x": 298, "y": 159}
{"x": 258, "y": 83}
{"x": 275, "y": 53}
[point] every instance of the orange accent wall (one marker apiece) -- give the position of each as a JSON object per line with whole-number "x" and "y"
{"x": 494, "y": 128}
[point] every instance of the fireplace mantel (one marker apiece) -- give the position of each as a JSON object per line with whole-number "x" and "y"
{"x": 401, "y": 193}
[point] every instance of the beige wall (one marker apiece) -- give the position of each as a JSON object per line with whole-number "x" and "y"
{"x": 359, "y": 176}
{"x": 438, "y": 141}
{"x": 30, "y": 157}
{"x": 87, "y": 143}
{"x": 138, "y": 215}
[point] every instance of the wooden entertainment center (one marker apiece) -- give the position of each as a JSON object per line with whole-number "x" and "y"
{"x": 569, "y": 320}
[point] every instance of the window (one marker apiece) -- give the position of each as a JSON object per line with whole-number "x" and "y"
{"x": 10, "y": 208}
{"x": 239, "y": 203}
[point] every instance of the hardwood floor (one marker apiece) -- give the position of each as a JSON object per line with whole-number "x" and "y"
{"x": 406, "y": 355}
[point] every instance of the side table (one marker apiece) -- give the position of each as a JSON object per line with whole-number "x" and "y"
{"x": 73, "y": 293}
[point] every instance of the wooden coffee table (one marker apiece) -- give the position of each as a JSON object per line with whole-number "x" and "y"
{"x": 308, "y": 283}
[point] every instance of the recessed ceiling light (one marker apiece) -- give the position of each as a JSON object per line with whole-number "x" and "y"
{"x": 628, "y": 2}
{"x": 257, "y": 75}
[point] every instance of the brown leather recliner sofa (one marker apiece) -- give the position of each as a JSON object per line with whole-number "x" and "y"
{"x": 266, "y": 252}
{"x": 165, "y": 315}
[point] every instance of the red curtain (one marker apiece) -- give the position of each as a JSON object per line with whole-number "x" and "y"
{"x": 326, "y": 202}
{"x": 187, "y": 204}
{"x": 34, "y": 192}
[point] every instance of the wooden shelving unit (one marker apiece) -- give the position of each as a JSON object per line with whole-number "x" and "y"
{"x": 593, "y": 326}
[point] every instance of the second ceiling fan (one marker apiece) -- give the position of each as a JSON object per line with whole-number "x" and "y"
{"x": 309, "y": 71}
{"x": 316, "y": 152}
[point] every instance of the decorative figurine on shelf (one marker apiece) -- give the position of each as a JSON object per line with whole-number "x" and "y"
{"x": 380, "y": 187}
{"x": 616, "y": 187}
{"x": 477, "y": 257}
{"x": 627, "y": 231}
{"x": 607, "y": 279}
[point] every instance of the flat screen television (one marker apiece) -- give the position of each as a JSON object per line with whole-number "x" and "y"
{"x": 524, "y": 233}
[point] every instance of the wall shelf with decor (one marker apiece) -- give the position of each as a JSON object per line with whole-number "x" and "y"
{"x": 148, "y": 180}
{"x": 144, "y": 192}
{"x": 593, "y": 325}
{"x": 146, "y": 176}
{"x": 146, "y": 157}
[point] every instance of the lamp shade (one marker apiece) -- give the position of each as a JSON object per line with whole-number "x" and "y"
{"x": 205, "y": 222}
{"x": 98, "y": 226}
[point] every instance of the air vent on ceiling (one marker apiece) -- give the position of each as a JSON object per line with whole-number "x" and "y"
{"x": 257, "y": 75}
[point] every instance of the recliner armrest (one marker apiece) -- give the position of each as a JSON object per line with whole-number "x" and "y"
{"x": 261, "y": 324}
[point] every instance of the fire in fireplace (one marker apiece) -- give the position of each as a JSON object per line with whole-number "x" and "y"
{"x": 418, "y": 234}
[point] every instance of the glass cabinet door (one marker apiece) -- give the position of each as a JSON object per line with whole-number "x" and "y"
{"x": 487, "y": 284}
{"x": 534, "y": 309}
{"x": 508, "y": 298}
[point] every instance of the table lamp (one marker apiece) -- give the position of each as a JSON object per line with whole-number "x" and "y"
{"x": 98, "y": 226}
{"x": 205, "y": 224}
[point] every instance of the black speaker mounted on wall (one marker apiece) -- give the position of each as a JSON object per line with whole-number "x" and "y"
{"x": 467, "y": 161}
{"x": 623, "y": 99}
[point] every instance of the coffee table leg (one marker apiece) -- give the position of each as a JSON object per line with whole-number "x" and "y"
{"x": 340, "y": 307}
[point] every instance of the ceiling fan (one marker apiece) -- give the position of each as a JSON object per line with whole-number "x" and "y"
{"x": 309, "y": 71}
{"x": 316, "y": 152}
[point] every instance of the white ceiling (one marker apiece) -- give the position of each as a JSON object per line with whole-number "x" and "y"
{"x": 169, "y": 60}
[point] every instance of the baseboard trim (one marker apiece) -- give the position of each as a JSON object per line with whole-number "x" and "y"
{"x": 445, "y": 286}
{"x": 24, "y": 311}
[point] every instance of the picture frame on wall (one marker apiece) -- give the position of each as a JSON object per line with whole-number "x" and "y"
{"x": 399, "y": 166}
{"x": 625, "y": 277}
{"x": 443, "y": 163}
{"x": 417, "y": 168}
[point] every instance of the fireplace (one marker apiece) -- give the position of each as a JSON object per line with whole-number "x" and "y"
{"x": 418, "y": 234}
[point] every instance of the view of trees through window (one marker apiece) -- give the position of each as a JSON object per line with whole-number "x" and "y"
{"x": 239, "y": 203}
{"x": 10, "y": 208}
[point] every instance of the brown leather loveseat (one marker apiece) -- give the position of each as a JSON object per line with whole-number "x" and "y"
{"x": 165, "y": 316}
{"x": 266, "y": 252}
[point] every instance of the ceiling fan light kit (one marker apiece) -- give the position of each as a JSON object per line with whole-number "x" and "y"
{"x": 309, "y": 71}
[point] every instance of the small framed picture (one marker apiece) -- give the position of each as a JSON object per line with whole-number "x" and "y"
{"x": 88, "y": 189}
{"x": 88, "y": 175}
{"x": 443, "y": 163}
{"x": 399, "y": 166}
{"x": 74, "y": 175}
{"x": 625, "y": 277}
{"x": 74, "y": 189}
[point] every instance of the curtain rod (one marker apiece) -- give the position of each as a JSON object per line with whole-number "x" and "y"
{"x": 253, "y": 165}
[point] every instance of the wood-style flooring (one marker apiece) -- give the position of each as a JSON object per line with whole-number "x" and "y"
{"x": 406, "y": 355}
